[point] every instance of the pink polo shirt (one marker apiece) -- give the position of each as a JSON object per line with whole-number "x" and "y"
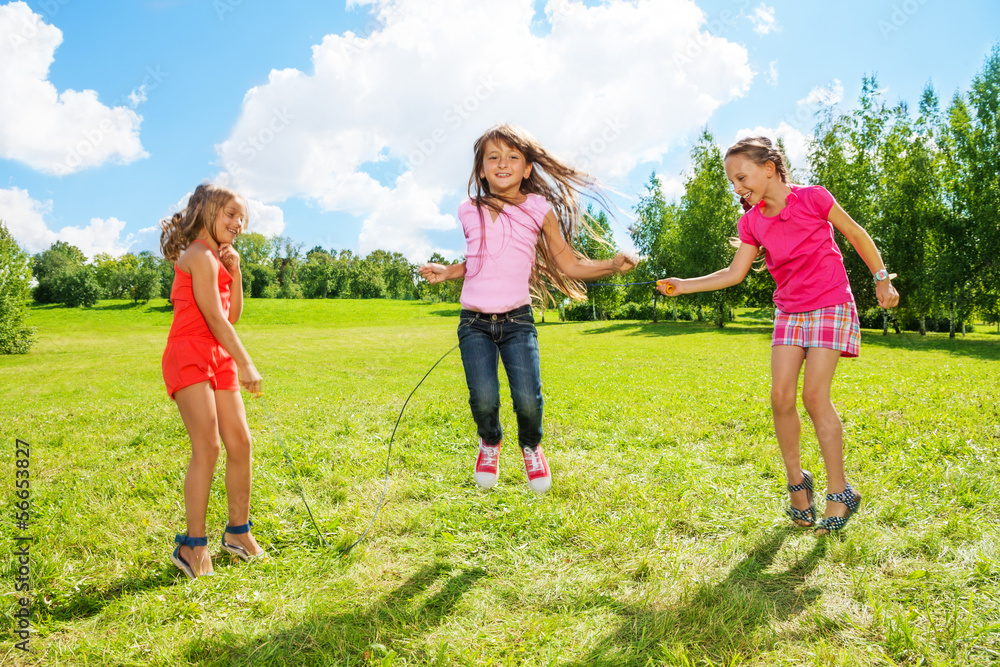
{"x": 800, "y": 250}
{"x": 500, "y": 254}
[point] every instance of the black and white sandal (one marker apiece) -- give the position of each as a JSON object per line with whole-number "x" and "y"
{"x": 807, "y": 515}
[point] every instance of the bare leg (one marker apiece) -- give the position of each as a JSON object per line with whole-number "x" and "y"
{"x": 236, "y": 437}
{"x": 821, "y": 363}
{"x": 786, "y": 362}
{"x": 197, "y": 407}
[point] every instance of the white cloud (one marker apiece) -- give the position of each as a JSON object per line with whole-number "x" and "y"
{"x": 796, "y": 143}
{"x": 26, "y": 220}
{"x": 672, "y": 187}
{"x": 824, "y": 95}
{"x": 383, "y": 126}
{"x": 53, "y": 132}
{"x": 763, "y": 19}
{"x": 265, "y": 219}
{"x": 772, "y": 73}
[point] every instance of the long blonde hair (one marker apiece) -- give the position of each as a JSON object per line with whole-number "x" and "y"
{"x": 559, "y": 183}
{"x": 202, "y": 209}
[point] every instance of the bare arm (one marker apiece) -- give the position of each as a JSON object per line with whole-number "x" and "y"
{"x": 231, "y": 260}
{"x": 862, "y": 241}
{"x": 438, "y": 273}
{"x": 575, "y": 267}
{"x": 727, "y": 277}
{"x": 204, "y": 283}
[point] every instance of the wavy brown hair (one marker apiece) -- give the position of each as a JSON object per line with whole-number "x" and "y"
{"x": 560, "y": 184}
{"x": 202, "y": 209}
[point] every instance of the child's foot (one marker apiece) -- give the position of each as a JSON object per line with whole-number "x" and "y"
{"x": 191, "y": 557}
{"x": 487, "y": 465}
{"x": 537, "y": 468}
{"x": 238, "y": 541}
{"x": 802, "y": 511}
{"x": 840, "y": 507}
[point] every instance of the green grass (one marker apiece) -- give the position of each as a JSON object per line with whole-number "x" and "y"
{"x": 662, "y": 542}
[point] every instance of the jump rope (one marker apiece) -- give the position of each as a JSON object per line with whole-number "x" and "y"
{"x": 269, "y": 414}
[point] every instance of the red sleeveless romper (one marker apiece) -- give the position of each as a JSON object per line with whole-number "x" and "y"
{"x": 193, "y": 354}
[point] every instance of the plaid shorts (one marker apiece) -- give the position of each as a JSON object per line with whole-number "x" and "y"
{"x": 833, "y": 327}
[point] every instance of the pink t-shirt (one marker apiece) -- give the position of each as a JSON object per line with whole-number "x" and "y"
{"x": 800, "y": 250}
{"x": 500, "y": 254}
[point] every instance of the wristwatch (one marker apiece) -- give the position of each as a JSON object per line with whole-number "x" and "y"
{"x": 881, "y": 275}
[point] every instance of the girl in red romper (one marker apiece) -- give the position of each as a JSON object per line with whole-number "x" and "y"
{"x": 204, "y": 365}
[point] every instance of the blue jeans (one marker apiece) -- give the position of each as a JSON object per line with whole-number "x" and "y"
{"x": 484, "y": 339}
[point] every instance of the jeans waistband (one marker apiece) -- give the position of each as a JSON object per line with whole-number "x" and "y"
{"x": 493, "y": 317}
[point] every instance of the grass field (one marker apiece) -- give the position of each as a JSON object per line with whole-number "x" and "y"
{"x": 662, "y": 542}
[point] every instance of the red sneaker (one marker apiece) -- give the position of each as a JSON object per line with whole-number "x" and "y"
{"x": 487, "y": 465}
{"x": 539, "y": 477}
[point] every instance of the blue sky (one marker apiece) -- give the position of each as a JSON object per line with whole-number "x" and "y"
{"x": 350, "y": 126}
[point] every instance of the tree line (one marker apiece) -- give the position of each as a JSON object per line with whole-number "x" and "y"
{"x": 925, "y": 183}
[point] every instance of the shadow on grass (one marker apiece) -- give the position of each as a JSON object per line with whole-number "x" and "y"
{"x": 676, "y": 328}
{"x": 716, "y": 623}
{"x": 89, "y": 600}
{"x": 143, "y": 306}
{"x": 352, "y": 637}
{"x": 980, "y": 348}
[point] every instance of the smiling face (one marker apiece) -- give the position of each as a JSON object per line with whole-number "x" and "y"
{"x": 503, "y": 167}
{"x": 750, "y": 180}
{"x": 230, "y": 220}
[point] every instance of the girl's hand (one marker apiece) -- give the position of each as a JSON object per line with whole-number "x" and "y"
{"x": 230, "y": 258}
{"x": 886, "y": 294}
{"x": 624, "y": 262}
{"x": 433, "y": 273}
{"x": 671, "y": 286}
{"x": 250, "y": 379}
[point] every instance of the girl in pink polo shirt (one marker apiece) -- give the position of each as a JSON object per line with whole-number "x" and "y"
{"x": 523, "y": 210}
{"x": 815, "y": 321}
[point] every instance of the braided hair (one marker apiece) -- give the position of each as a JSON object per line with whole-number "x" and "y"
{"x": 760, "y": 151}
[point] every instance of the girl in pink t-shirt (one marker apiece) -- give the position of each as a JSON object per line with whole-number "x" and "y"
{"x": 815, "y": 322}
{"x": 522, "y": 212}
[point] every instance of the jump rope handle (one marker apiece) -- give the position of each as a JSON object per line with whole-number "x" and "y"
{"x": 662, "y": 281}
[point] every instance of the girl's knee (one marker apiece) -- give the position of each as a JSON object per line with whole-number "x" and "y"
{"x": 484, "y": 402}
{"x": 206, "y": 452}
{"x": 528, "y": 406}
{"x": 817, "y": 402}
{"x": 782, "y": 400}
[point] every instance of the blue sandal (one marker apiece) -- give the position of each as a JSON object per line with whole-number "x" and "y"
{"x": 834, "y": 524}
{"x": 178, "y": 560}
{"x": 809, "y": 514}
{"x": 235, "y": 549}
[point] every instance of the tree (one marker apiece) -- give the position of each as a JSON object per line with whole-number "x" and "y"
{"x": 63, "y": 277}
{"x": 15, "y": 275}
{"x": 598, "y": 244}
{"x": 848, "y": 159}
{"x": 254, "y": 249}
{"x": 51, "y": 267}
{"x": 706, "y": 222}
